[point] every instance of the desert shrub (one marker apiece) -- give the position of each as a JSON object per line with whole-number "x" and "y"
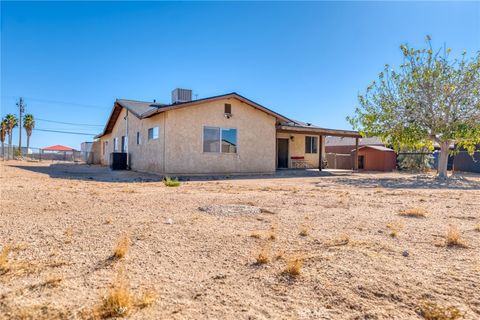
{"x": 171, "y": 182}
{"x": 263, "y": 256}
{"x": 415, "y": 162}
{"x": 4, "y": 265}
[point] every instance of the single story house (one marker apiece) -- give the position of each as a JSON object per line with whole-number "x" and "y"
{"x": 225, "y": 134}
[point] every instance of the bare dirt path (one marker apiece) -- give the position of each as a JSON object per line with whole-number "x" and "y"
{"x": 361, "y": 259}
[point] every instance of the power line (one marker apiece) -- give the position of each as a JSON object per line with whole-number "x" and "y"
{"x": 60, "y": 102}
{"x": 67, "y": 132}
{"x": 71, "y": 123}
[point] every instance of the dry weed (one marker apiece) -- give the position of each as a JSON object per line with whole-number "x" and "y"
{"x": 294, "y": 266}
{"x": 120, "y": 301}
{"x": 454, "y": 238}
{"x": 414, "y": 212}
{"x": 434, "y": 311}
{"x": 395, "y": 227}
{"x": 477, "y": 228}
{"x": 263, "y": 256}
{"x": 122, "y": 247}
{"x": 4, "y": 263}
{"x": 256, "y": 235}
{"x": 272, "y": 234}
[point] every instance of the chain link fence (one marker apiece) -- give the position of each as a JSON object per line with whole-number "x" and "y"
{"x": 38, "y": 154}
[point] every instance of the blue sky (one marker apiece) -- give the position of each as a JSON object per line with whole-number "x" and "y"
{"x": 306, "y": 60}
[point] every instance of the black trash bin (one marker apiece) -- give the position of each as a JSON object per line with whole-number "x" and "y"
{"x": 118, "y": 161}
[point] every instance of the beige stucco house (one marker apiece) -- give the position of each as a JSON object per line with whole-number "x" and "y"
{"x": 226, "y": 134}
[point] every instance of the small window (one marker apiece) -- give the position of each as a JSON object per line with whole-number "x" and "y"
{"x": 115, "y": 144}
{"x": 124, "y": 143}
{"x": 228, "y": 108}
{"x": 105, "y": 145}
{"x": 311, "y": 144}
{"x": 219, "y": 140}
{"x": 153, "y": 133}
{"x": 139, "y": 139}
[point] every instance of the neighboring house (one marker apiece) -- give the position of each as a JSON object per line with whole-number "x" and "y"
{"x": 226, "y": 134}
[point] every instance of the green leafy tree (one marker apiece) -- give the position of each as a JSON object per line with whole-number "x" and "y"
{"x": 11, "y": 122}
{"x": 432, "y": 98}
{"x": 29, "y": 125}
{"x": 3, "y": 128}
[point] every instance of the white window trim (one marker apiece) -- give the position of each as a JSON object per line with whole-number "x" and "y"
{"x": 115, "y": 144}
{"x": 315, "y": 138}
{"x": 217, "y": 152}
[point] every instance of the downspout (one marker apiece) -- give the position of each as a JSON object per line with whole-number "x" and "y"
{"x": 164, "y": 139}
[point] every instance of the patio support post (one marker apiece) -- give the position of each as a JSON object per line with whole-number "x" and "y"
{"x": 355, "y": 159}
{"x": 320, "y": 153}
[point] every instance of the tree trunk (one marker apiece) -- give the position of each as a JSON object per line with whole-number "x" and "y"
{"x": 3, "y": 150}
{"x": 10, "y": 147}
{"x": 443, "y": 161}
{"x": 28, "y": 142}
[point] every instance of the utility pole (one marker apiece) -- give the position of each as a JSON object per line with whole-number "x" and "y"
{"x": 21, "y": 107}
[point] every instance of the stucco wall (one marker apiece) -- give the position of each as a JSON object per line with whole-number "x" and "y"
{"x": 148, "y": 155}
{"x": 296, "y": 148}
{"x": 184, "y": 139}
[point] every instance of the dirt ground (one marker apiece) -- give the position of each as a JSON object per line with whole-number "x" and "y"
{"x": 196, "y": 245}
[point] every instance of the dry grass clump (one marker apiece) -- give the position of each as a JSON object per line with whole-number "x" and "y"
{"x": 414, "y": 213}
{"x": 120, "y": 301}
{"x": 4, "y": 263}
{"x": 454, "y": 238}
{"x": 256, "y": 235}
{"x": 294, "y": 266}
{"x": 263, "y": 257}
{"x": 477, "y": 228}
{"x": 395, "y": 228}
{"x": 122, "y": 247}
{"x": 434, "y": 311}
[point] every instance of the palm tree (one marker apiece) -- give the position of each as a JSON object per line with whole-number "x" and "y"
{"x": 28, "y": 124}
{"x": 11, "y": 121}
{"x": 3, "y": 128}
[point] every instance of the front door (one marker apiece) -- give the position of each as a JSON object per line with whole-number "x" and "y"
{"x": 282, "y": 153}
{"x": 361, "y": 162}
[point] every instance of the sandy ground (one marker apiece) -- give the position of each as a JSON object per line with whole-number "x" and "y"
{"x": 64, "y": 221}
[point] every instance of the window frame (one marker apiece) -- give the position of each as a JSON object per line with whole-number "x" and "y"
{"x": 313, "y": 145}
{"x": 153, "y": 130}
{"x": 115, "y": 144}
{"x": 220, "y": 140}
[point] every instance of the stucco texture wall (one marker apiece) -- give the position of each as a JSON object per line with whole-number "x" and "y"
{"x": 184, "y": 139}
{"x": 146, "y": 156}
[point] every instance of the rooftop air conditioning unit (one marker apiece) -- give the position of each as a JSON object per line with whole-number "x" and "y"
{"x": 181, "y": 95}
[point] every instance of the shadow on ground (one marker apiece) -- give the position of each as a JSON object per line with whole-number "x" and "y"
{"x": 421, "y": 181}
{"x": 105, "y": 174}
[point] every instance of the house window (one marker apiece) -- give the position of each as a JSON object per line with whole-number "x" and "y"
{"x": 124, "y": 143}
{"x": 228, "y": 108}
{"x": 139, "y": 139}
{"x": 311, "y": 144}
{"x": 219, "y": 140}
{"x": 153, "y": 133}
{"x": 105, "y": 145}
{"x": 115, "y": 144}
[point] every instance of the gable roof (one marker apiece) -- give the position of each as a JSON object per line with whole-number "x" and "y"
{"x": 58, "y": 147}
{"x": 379, "y": 148}
{"x": 142, "y": 109}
